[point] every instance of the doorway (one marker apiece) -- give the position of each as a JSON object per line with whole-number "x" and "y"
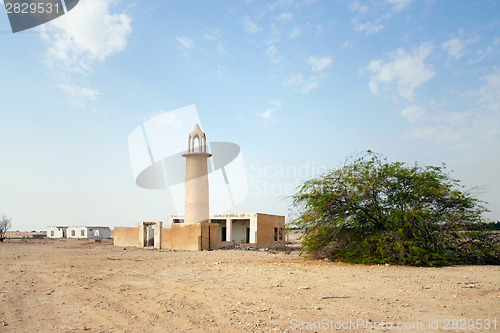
{"x": 149, "y": 235}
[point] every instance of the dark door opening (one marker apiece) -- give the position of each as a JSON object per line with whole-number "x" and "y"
{"x": 247, "y": 238}
{"x": 223, "y": 234}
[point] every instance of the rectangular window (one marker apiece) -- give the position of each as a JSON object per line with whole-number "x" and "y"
{"x": 52, "y": 233}
{"x": 275, "y": 234}
{"x": 82, "y": 232}
{"x": 72, "y": 232}
{"x": 281, "y": 234}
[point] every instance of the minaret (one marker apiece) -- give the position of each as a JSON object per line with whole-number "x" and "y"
{"x": 196, "y": 199}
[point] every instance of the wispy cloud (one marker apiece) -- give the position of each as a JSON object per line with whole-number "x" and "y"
{"x": 266, "y": 116}
{"x": 454, "y": 47}
{"x": 490, "y": 51}
{"x": 89, "y": 33}
{"x": 284, "y": 17}
{"x": 272, "y": 54}
{"x": 413, "y": 113}
{"x": 224, "y": 72}
{"x": 295, "y": 32}
{"x": 301, "y": 84}
{"x": 216, "y": 36}
{"x": 379, "y": 11}
{"x": 186, "y": 42}
{"x": 279, "y": 4}
{"x": 399, "y": 5}
{"x": 457, "y": 47}
{"x": 472, "y": 127}
{"x": 80, "y": 95}
{"x": 346, "y": 45}
{"x": 406, "y": 71}
{"x": 250, "y": 26}
{"x": 368, "y": 27}
{"x": 356, "y": 6}
{"x": 186, "y": 45}
{"x": 319, "y": 64}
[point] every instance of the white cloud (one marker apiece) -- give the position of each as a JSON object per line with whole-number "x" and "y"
{"x": 86, "y": 34}
{"x": 413, "y": 113}
{"x": 279, "y": 4}
{"x": 489, "y": 94}
{"x": 250, "y": 26}
{"x": 368, "y": 27}
{"x": 492, "y": 50}
{"x": 456, "y": 47}
{"x": 399, "y": 5}
{"x": 347, "y": 44}
{"x": 272, "y": 54}
{"x": 284, "y": 17}
{"x": 298, "y": 83}
{"x": 186, "y": 45}
{"x": 380, "y": 11}
{"x": 275, "y": 35}
{"x": 477, "y": 126}
{"x": 319, "y": 64}
{"x": 186, "y": 42}
{"x": 407, "y": 71}
{"x": 267, "y": 115}
{"x": 296, "y": 31}
{"x": 215, "y": 36}
{"x": 80, "y": 95}
{"x": 293, "y": 80}
{"x": 356, "y": 6}
{"x": 223, "y": 72}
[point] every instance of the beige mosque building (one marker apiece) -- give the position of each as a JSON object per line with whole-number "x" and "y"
{"x": 197, "y": 230}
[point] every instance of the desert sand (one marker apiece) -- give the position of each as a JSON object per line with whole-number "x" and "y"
{"x": 82, "y": 285}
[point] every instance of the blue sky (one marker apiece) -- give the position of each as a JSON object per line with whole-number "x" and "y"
{"x": 299, "y": 85}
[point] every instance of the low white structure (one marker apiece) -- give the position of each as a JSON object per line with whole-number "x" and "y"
{"x": 79, "y": 232}
{"x": 57, "y": 232}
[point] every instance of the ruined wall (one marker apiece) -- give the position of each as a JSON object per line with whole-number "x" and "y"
{"x": 210, "y": 230}
{"x": 181, "y": 237}
{"x": 265, "y": 229}
{"x": 126, "y": 236}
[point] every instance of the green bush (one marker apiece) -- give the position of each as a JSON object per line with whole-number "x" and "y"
{"x": 376, "y": 212}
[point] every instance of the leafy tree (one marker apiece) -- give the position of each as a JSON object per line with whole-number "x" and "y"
{"x": 374, "y": 211}
{"x": 4, "y": 226}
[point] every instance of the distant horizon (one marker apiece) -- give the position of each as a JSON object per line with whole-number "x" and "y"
{"x": 297, "y": 85}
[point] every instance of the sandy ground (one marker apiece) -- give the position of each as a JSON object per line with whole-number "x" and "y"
{"x": 80, "y": 285}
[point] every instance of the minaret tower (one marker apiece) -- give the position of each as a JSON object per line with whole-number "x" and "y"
{"x": 196, "y": 199}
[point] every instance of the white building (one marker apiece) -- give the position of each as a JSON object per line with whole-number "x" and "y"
{"x": 57, "y": 232}
{"x": 90, "y": 232}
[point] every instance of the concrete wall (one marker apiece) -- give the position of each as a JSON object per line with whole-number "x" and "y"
{"x": 205, "y": 236}
{"x": 265, "y": 229}
{"x": 210, "y": 233}
{"x": 182, "y": 237}
{"x": 126, "y": 236}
